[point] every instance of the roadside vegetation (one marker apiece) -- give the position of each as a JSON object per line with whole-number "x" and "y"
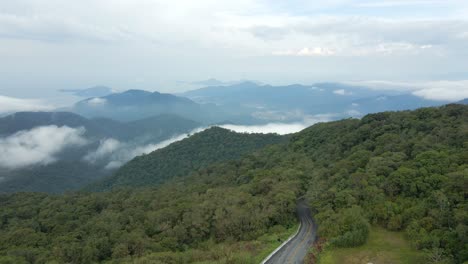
{"x": 382, "y": 246}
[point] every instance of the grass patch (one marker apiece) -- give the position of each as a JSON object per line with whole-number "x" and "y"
{"x": 382, "y": 247}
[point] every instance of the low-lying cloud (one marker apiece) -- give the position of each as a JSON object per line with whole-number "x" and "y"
{"x": 433, "y": 90}
{"x": 115, "y": 153}
{"x": 106, "y": 148}
{"x": 39, "y": 145}
{"x": 11, "y": 104}
{"x": 280, "y": 128}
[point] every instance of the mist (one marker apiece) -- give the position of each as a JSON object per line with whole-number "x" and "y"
{"x": 40, "y": 145}
{"x": 115, "y": 153}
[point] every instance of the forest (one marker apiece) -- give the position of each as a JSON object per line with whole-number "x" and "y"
{"x": 181, "y": 158}
{"x": 404, "y": 171}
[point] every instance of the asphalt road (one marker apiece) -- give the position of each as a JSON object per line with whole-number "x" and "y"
{"x": 296, "y": 249}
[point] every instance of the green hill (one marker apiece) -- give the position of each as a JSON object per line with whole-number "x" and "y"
{"x": 403, "y": 171}
{"x": 183, "y": 157}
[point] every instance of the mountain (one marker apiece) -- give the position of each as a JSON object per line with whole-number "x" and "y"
{"x": 28, "y": 120}
{"x": 157, "y": 127}
{"x": 401, "y": 171}
{"x": 137, "y": 104}
{"x": 294, "y": 102}
{"x": 464, "y": 101}
{"x": 210, "y": 82}
{"x": 95, "y": 91}
{"x": 181, "y": 158}
{"x": 58, "y": 166}
{"x": 216, "y": 82}
{"x": 382, "y": 103}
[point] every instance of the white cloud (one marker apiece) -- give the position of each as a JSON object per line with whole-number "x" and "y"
{"x": 106, "y": 148}
{"x": 443, "y": 93}
{"x": 10, "y": 104}
{"x": 280, "y": 128}
{"x": 342, "y": 92}
{"x": 38, "y": 146}
{"x": 398, "y": 3}
{"x": 96, "y": 101}
{"x": 85, "y": 41}
{"x": 318, "y": 51}
{"x": 353, "y": 113}
{"x": 432, "y": 90}
{"x": 116, "y": 153}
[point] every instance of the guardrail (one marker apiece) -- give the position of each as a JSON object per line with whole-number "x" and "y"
{"x": 282, "y": 245}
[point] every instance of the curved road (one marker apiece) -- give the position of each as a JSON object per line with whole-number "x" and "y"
{"x": 296, "y": 249}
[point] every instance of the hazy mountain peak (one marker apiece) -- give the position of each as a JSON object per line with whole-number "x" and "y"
{"x": 95, "y": 91}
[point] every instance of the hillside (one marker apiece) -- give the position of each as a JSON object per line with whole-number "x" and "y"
{"x": 402, "y": 171}
{"x": 68, "y": 167}
{"x": 183, "y": 157}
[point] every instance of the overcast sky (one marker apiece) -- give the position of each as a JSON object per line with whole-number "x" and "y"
{"x": 47, "y": 45}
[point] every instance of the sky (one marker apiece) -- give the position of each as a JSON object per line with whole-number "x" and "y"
{"x": 46, "y": 45}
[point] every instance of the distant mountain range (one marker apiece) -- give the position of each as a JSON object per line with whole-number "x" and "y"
{"x": 216, "y": 82}
{"x": 95, "y": 91}
{"x": 321, "y": 98}
{"x": 137, "y": 104}
{"x": 251, "y": 103}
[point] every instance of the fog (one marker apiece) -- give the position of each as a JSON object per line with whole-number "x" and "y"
{"x": 40, "y": 145}
{"x": 116, "y": 153}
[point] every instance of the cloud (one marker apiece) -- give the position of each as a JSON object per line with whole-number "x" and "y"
{"x": 115, "y": 153}
{"x": 10, "y": 104}
{"x": 106, "y": 148}
{"x": 96, "y": 101}
{"x": 317, "y": 51}
{"x": 50, "y": 27}
{"x": 399, "y": 3}
{"x": 439, "y": 91}
{"x": 83, "y": 41}
{"x": 431, "y": 90}
{"x": 353, "y": 113}
{"x": 280, "y": 128}
{"x": 342, "y": 92}
{"x": 38, "y": 146}
{"x": 360, "y": 36}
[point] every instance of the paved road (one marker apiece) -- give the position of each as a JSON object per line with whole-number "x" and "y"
{"x": 296, "y": 249}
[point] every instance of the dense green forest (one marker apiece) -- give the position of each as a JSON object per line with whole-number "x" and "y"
{"x": 181, "y": 158}
{"x": 404, "y": 171}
